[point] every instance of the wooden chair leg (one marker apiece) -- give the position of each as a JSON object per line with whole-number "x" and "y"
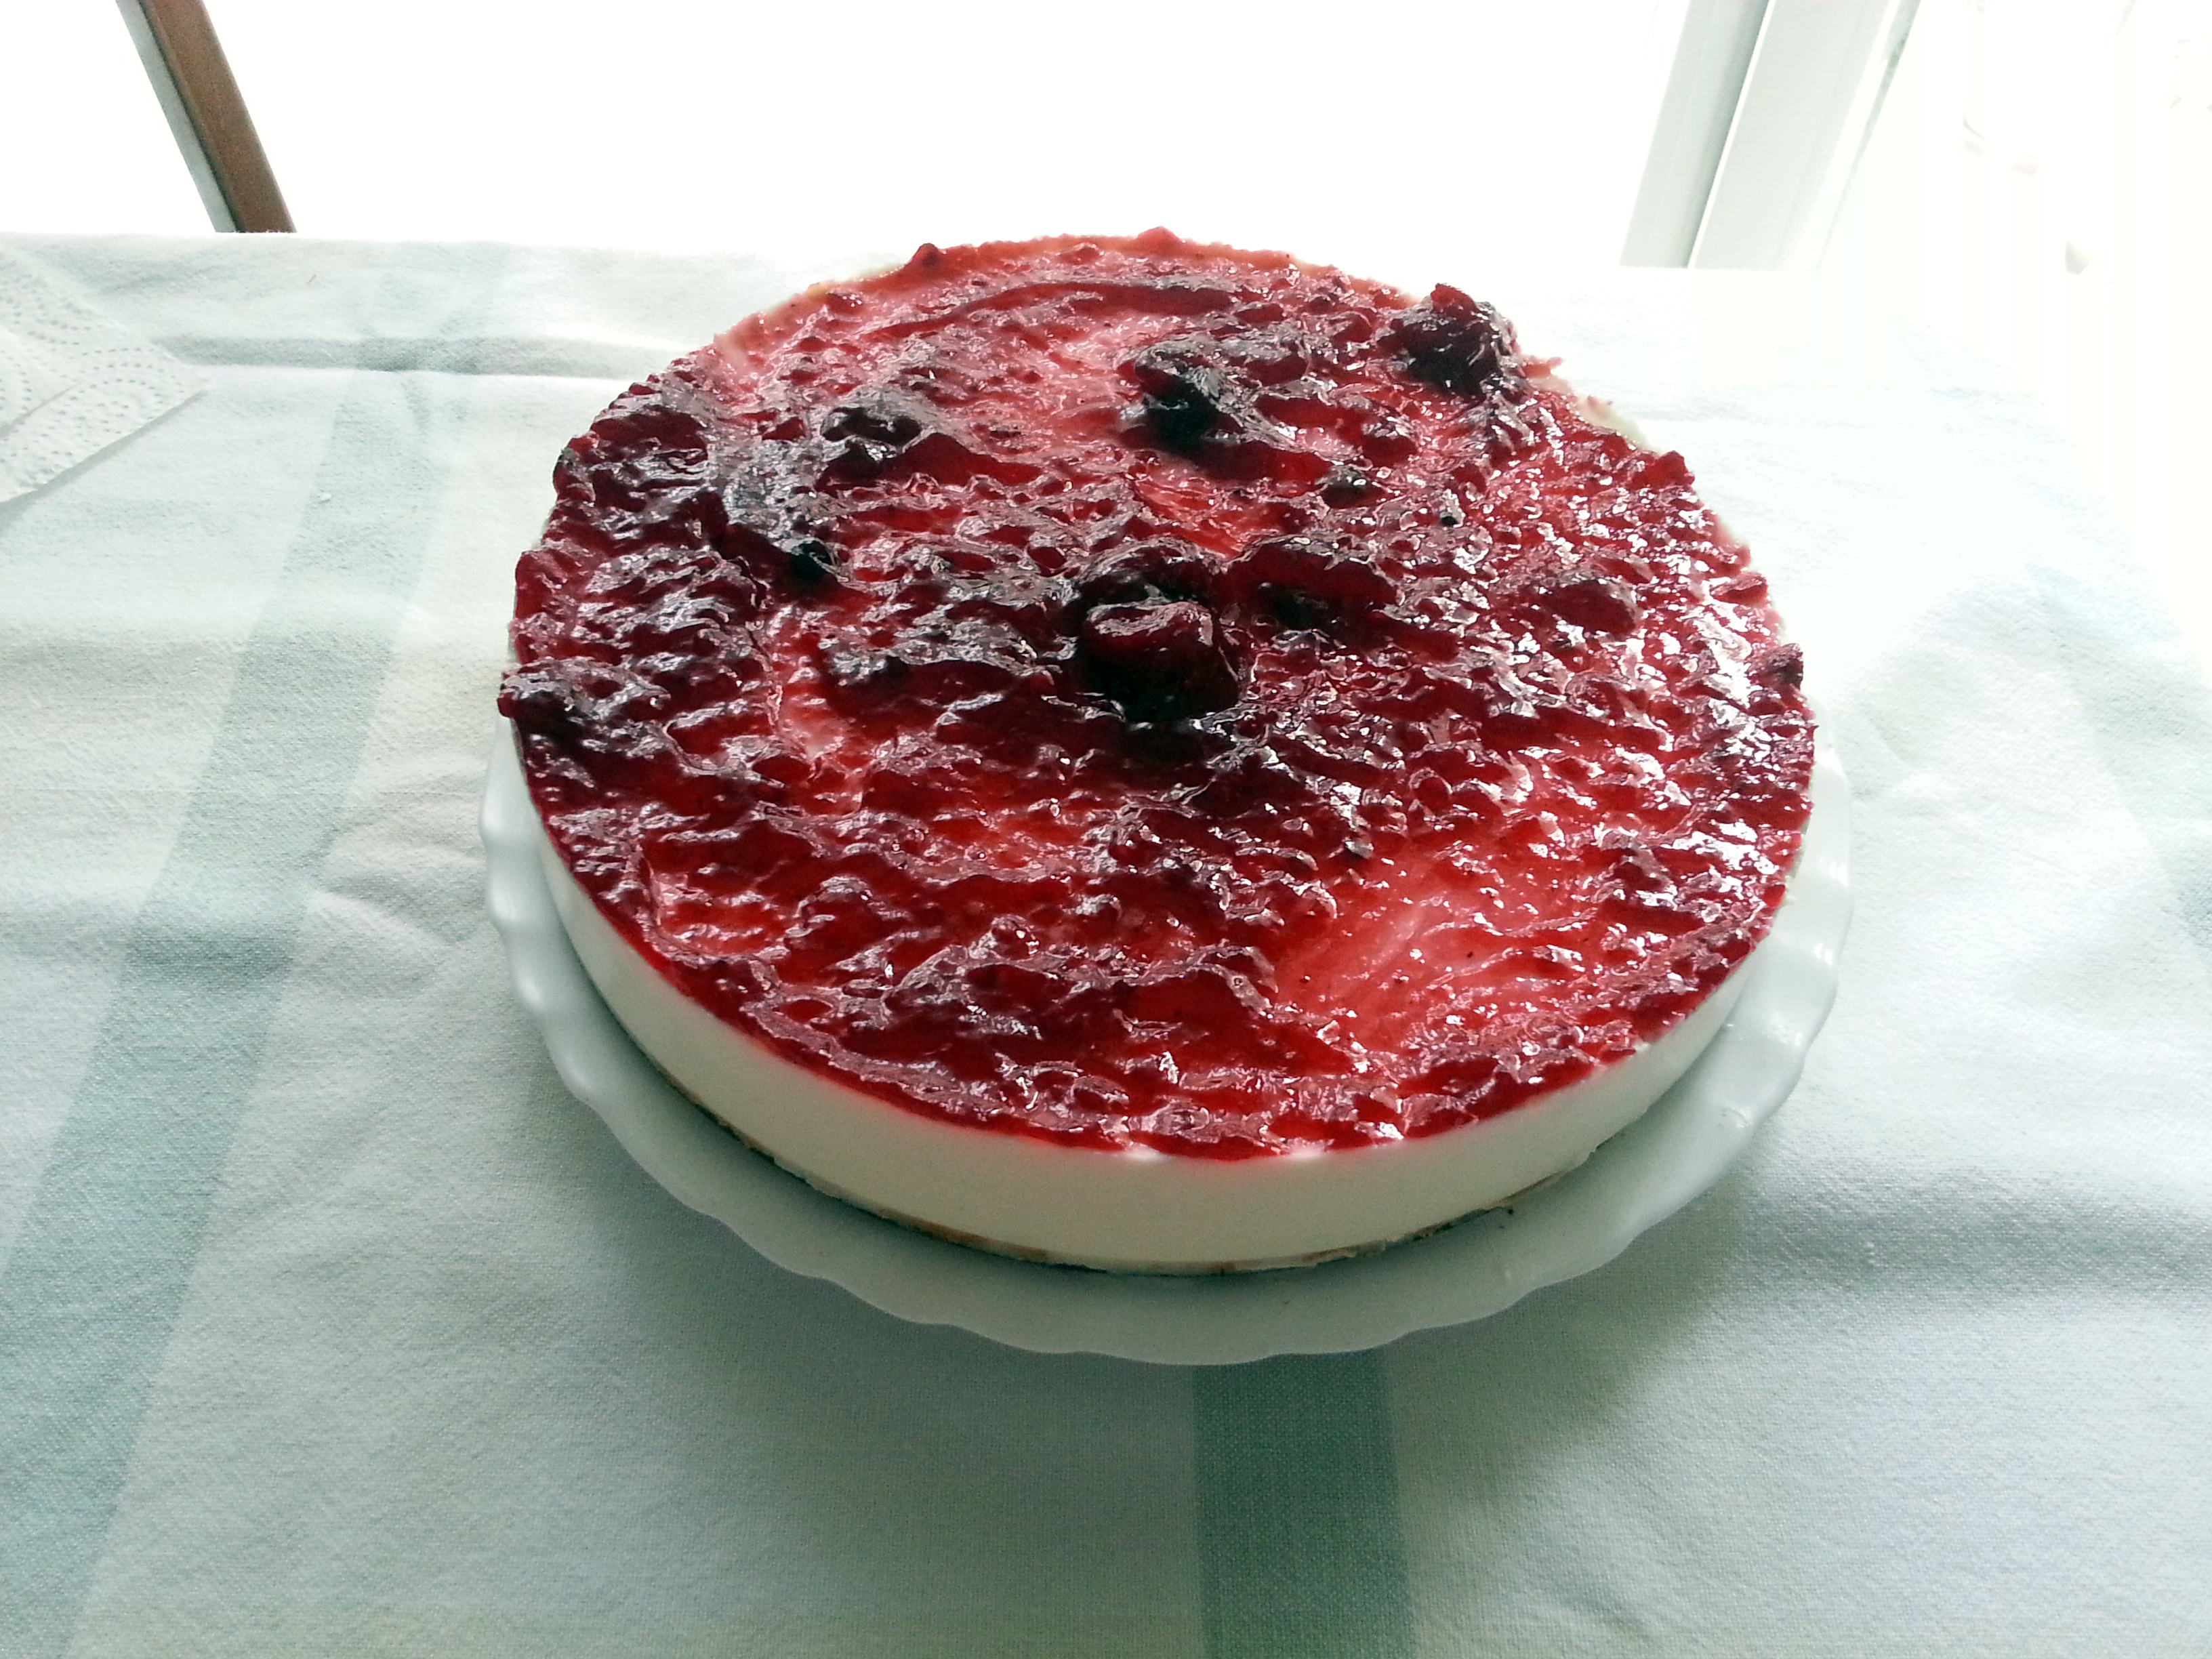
{"x": 192, "y": 77}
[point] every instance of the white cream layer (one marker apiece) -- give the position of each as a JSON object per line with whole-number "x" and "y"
{"x": 1138, "y": 1211}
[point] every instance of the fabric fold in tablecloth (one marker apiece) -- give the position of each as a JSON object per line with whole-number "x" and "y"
{"x": 329, "y": 1323}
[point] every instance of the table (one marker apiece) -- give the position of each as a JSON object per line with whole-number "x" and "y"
{"x": 329, "y": 1323}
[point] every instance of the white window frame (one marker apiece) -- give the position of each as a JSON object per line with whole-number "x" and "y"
{"x": 1767, "y": 112}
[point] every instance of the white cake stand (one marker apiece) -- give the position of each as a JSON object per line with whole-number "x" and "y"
{"x": 1466, "y": 1271}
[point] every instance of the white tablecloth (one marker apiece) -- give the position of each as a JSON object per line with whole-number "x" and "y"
{"x": 329, "y": 1324}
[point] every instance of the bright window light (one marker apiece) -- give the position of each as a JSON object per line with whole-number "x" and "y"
{"x": 85, "y": 144}
{"x": 1491, "y": 130}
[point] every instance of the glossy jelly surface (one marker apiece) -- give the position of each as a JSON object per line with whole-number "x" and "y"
{"x": 1136, "y": 692}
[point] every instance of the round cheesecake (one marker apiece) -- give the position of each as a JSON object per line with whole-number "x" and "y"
{"x": 1139, "y": 754}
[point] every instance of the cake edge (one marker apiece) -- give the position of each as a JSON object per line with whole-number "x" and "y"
{"x": 1134, "y": 1211}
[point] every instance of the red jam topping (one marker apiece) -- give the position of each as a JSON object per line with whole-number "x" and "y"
{"x": 1142, "y": 692}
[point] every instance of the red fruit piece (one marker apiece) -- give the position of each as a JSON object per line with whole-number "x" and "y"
{"x": 1158, "y": 662}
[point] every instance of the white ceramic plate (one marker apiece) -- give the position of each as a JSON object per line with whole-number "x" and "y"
{"x": 1469, "y": 1271}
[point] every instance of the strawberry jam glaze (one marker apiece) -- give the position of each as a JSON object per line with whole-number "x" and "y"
{"x": 1139, "y": 693}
